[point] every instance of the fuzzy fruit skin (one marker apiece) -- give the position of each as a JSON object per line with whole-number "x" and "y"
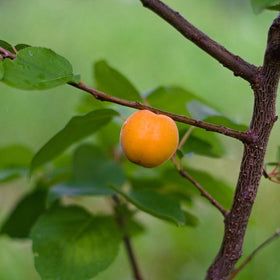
{"x": 148, "y": 139}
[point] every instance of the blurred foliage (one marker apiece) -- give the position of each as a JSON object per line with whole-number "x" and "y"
{"x": 140, "y": 48}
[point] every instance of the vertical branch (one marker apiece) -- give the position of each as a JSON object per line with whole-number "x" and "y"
{"x": 264, "y": 116}
{"x": 127, "y": 242}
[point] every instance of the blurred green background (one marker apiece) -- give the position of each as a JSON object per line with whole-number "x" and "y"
{"x": 150, "y": 53}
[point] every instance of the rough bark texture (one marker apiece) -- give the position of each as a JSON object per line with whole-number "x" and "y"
{"x": 264, "y": 116}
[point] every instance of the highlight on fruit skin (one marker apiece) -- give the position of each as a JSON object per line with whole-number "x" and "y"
{"x": 149, "y": 139}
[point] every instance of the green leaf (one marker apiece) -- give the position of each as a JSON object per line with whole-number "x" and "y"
{"x": 15, "y": 156}
{"x": 69, "y": 244}
{"x": 260, "y": 5}
{"x": 204, "y": 143}
{"x": 171, "y": 99}
{"x": 222, "y": 192}
{"x": 174, "y": 185}
{"x": 167, "y": 182}
{"x": 1, "y": 69}
{"x": 158, "y": 205}
{"x": 93, "y": 173}
{"x": 274, "y": 8}
{"x": 7, "y": 46}
{"x": 112, "y": 82}
{"x": 129, "y": 225}
{"x": 88, "y": 103}
{"x": 76, "y": 129}
{"x": 109, "y": 136}
{"x": 200, "y": 111}
{"x": 25, "y": 214}
{"x": 19, "y": 47}
{"x": 190, "y": 219}
{"x": 37, "y": 68}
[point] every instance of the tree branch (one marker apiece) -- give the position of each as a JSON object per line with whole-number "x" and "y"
{"x": 7, "y": 54}
{"x": 245, "y": 137}
{"x": 251, "y": 170}
{"x": 236, "y": 64}
{"x": 250, "y": 257}
{"x": 203, "y": 192}
{"x": 127, "y": 242}
{"x": 242, "y": 136}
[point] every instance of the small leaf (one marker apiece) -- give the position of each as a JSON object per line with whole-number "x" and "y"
{"x": 109, "y": 136}
{"x": 190, "y": 219}
{"x": 260, "y": 5}
{"x": 171, "y": 99}
{"x": 1, "y": 69}
{"x": 76, "y": 129}
{"x": 19, "y": 47}
{"x": 37, "y": 68}
{"x": 174, "y": 185}
{"x": 69, "y": 244}
{"x": 25, "y": 214}
{"x": 200, "y": 111}
{"x": 204, "y": 143}
{"x": 93, "y": 173}
{"x": 156, "y": 204}
{"x": 7, "y": 46}
{"x": 88, "y": 104}
{"x": 114, "y": 83}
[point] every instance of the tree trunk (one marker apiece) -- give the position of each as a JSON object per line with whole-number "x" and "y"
{"x": 264, "y": 116}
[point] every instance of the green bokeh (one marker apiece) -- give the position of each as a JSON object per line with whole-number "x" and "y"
{"x": 150, "y": 53}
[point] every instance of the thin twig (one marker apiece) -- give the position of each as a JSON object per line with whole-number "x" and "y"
{"x": 127, "y": 242}
{"x": 250, "y": 257}
{"x": 7, "y": 54}
{"x": 185, "y": 137}
{"x": 242, "y": 136}
{"x": 235, "y": 63}
{"x": 203, "y": 192}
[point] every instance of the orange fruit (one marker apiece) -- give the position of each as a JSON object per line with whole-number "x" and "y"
{"x": 149, "y": 139}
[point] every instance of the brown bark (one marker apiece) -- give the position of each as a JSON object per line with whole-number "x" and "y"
{"x": 264, "y": 116}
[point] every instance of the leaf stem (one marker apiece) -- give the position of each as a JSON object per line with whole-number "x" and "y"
{"x": 185, "y": 137}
